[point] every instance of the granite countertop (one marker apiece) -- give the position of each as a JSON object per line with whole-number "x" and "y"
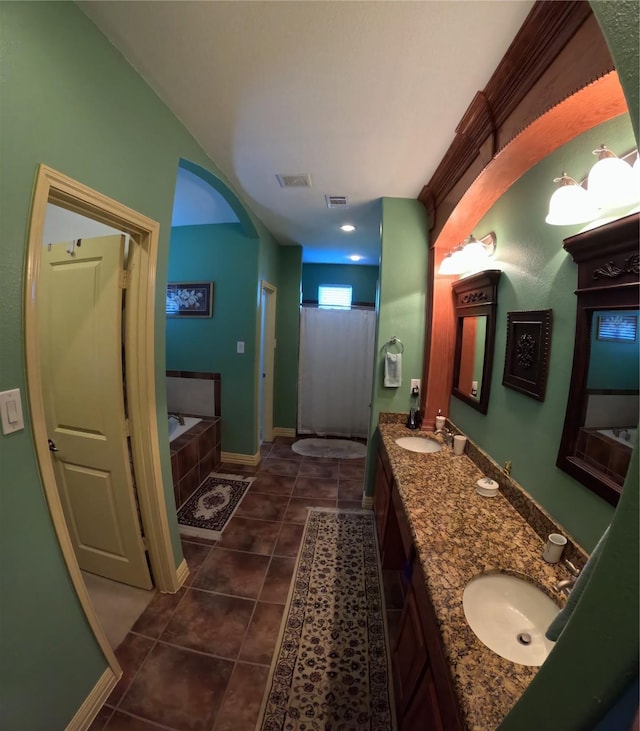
{"x": 459, "y": 534}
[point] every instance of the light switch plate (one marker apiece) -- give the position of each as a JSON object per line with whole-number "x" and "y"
{"x": 240, "y": 346}
{"x": 415, "y": 383}
{"x": 11, "y": 411}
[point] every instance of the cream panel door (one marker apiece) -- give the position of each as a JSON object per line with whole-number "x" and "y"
{"x": 268, "y": 345}
{"x": 80, "y": 301}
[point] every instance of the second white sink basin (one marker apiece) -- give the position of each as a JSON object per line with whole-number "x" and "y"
{"x": 510, "y": 616}
{"x": 419, "y": 444}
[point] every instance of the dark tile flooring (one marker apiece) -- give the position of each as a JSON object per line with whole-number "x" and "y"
{"x": 198, "y": 660}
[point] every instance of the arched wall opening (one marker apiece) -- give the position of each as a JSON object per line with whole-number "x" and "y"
{"x": 596, "y": 103}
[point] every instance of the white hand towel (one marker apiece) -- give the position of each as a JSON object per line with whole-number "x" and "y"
{"x": 393, "y": 370}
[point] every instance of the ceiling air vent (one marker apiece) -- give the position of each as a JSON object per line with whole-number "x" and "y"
{"x": 302, "y": 180}
{"x": 336, "y": 201}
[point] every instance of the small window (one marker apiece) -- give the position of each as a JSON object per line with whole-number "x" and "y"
{"x": 618, "y": 328}
{"x": 337, "y": 296}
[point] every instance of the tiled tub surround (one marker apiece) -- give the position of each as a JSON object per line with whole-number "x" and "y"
{"x": 194, "y": 393}
{"x": 194, "y": 455}
{"x": 459, "y": 534}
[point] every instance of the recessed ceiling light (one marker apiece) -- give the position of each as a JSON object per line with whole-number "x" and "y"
{"x": 348, "y": 227}
{"x": 356, "y": 257}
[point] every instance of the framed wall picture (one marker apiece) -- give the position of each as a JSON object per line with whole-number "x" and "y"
{"x": 190, "y": 299}
{"x": 526, "y": 362}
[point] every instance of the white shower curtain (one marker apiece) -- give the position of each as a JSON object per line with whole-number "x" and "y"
{"x": 335, "y": 371}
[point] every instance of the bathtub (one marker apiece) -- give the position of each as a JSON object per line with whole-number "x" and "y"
{"x": 176, "y": 428}
{"x": 621, "y": 439}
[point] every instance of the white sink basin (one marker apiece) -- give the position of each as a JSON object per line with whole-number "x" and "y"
{"x": 510, "y": 616}
{"x": 419, "y": 444}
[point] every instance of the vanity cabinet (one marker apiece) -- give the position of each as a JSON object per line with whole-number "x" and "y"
{"x": 391, "y": 555}
{"x": 425, "y": 698}
{"x": 434, "y": 704}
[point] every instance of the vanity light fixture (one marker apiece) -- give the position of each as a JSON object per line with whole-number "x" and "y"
{"x": 347, "y": 228}
{"x": 612, "y": 184}
{"x": 471, "y": 254}
{"x": 611, "y": 181}
{"x": 570, "y": 203}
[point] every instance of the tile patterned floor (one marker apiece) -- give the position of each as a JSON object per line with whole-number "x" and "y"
{"x": 198, "y": 660}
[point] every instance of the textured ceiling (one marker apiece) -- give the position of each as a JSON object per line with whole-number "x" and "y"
{"x": 363, "y": 96}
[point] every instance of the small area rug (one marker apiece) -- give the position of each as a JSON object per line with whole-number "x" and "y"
{"x": 331, "y": 666}
{"x": 334, "y": 448}
{"x": 211, "y": 506}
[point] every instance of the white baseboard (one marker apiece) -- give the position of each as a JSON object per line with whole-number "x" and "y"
{"x": 182, "y": 572}
{"x": 367, "y": 502}
{"x": 284, "y": 431}
{"x": 235, "y": 458}
{"x": 93, "y": 702}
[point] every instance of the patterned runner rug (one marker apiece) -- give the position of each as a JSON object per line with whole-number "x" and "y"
{"x": 212, "y": 505}
{"x": 331, "y": 668}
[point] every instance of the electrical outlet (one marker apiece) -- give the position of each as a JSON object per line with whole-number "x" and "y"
{"x": 415, "y": 386}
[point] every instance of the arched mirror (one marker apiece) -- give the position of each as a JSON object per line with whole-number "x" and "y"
{"x": 603, "y": 403}
{"x": 476, "y": 299}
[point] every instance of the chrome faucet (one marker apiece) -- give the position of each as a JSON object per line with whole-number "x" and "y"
{"x": 179, "y": 417}
{"x": 446, "y": 435}
{"x": 566, "y": 585}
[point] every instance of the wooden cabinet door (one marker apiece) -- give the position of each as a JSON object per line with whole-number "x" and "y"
{"x": 410, "y": 656}
{"x": 423, "y": 713}
{"x": 381, "y": 502}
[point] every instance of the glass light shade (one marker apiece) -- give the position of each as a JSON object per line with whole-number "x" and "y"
{"x": 612, "y": 184}
{"x": 475, "y": 253}
{"x": 571, "y": 204}
{"x": 636, "y": 172}
{"x": 454, "y": 263}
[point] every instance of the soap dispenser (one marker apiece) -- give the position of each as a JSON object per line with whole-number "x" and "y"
{"x": 413, "y": 422}
{"x": 415, "y": 419}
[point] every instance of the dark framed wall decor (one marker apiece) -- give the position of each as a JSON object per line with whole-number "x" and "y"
{"x": 526, "y": 362}
{"x": 190, "y": 299}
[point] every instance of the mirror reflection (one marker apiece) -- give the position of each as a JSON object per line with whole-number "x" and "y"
{"x": 602, "y": 405}
{"x": 475, "y": 301}
{"x": 610, "y": 415}
{"x": 473, "y": 340}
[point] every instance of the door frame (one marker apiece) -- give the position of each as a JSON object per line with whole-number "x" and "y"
{"x": 268, "y": 293}
{"x": 57, "y": 188}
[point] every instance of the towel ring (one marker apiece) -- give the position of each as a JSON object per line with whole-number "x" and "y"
{"x": 391, "y": 342}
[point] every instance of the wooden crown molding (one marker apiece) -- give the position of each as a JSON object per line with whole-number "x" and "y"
{"x": 484, "y": 128}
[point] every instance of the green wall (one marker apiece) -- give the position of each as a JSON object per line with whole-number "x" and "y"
{"x": 285, "y": 402}
{"x": 620, "y": 24}
{"x": 596, "y": 657}
{"x": 613, "y": 365}
{"x": 223, "y": 254}
{"x": 401, "y": 308}
{"x": 363, "y": 280}
{"x": 539, "y": 274}
{"x": 237, "y": 264}
{"x": 64, "y": 88}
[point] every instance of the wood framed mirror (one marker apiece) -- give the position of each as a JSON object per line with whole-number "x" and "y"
{"x": 602, "y": 406}
{"x": 475, "y": 303}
